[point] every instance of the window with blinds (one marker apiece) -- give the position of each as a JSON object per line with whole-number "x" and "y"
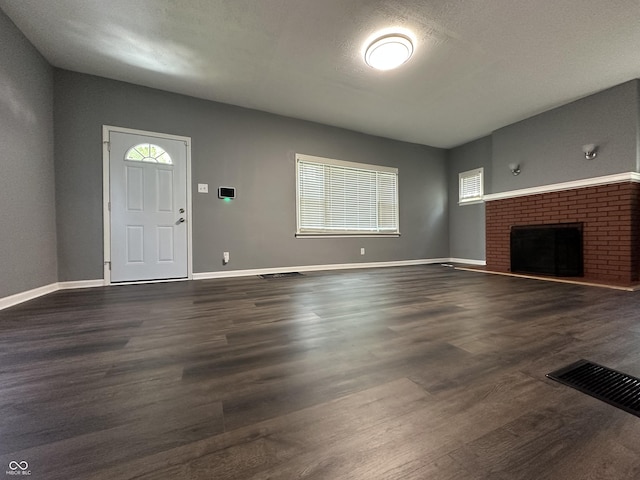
{"x": 471, "y": 186}
{"x": 344, "y": 198}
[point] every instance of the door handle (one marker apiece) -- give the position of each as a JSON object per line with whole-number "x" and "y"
{"x": 181, "y": 220}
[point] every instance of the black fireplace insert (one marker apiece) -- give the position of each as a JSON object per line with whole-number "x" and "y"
{"x": 554, "y": 249}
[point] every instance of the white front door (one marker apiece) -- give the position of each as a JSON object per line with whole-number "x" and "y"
{"x": 148, "y": 196}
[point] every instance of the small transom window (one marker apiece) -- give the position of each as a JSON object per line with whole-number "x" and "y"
{"x": 148, "y": 152}
{"x": 471, "y": 186}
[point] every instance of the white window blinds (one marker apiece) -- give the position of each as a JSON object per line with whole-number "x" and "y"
{"x": 336, "y": 197}
{"x": 471, "y": 186}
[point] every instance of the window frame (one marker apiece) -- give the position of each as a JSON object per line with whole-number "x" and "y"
{"x": 302, "y": 232}
{"x": 469, "y": 174}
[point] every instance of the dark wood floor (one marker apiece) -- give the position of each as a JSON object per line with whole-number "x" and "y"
{"x": 400, "y": 373}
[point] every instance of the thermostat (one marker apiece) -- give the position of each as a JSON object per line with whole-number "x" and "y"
{"x": 226, "y": 192}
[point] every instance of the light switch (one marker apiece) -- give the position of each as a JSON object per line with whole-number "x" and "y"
{"x": 203, "y": 188}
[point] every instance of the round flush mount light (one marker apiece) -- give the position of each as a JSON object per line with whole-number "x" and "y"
{"x": 388, "y": 51}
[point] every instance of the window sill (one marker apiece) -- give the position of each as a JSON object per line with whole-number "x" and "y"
{"x": 471, "y": 202}
{"x": 347, "y": 235}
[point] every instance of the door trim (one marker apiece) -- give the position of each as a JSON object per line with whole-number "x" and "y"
{"x": 106, "y": 198}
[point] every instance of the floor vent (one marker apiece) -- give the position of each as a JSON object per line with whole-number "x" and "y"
{"x": 280, "y": 275}
{"x": 615, "y": 388}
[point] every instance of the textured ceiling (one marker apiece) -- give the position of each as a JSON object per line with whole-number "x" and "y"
{"x": 478, "y": 64}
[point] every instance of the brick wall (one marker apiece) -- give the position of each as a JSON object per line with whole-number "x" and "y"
{"x": 611, "y": 227}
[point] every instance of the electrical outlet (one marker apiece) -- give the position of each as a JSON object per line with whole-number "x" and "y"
{"x": 225, "y": 257}
{"x": 362, "y": 251}
{"x": 203, "y": 188}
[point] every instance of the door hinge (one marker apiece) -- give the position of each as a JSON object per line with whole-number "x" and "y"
{"x": 108, "y": 263}
{"x": 109, "y": 206}
{"x": 108, "y": 143}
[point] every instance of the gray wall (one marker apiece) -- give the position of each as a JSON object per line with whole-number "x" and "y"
{"x": 231, "y": 146}
{"x": 254, "y": 151}
{"x": 467, "y": 222}
{"x": 27, "y": 216}
{"x": 548, "y": 146}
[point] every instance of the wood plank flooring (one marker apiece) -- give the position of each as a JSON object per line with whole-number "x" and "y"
{"x": 420, "y": 372}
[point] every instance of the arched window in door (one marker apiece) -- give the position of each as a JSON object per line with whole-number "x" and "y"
{"x": 148, "y": 152}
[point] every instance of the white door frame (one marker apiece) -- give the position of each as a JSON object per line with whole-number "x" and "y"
{"x": 106, "y": 199}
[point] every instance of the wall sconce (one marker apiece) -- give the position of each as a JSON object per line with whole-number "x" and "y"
{"x": 590, "y": 151}
{"x": 515, "y": 169}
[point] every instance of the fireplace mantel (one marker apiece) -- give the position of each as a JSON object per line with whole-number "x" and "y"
{"x": 560, "y": 187}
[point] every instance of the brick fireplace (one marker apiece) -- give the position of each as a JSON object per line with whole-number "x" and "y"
{"x": 609, "y": 213}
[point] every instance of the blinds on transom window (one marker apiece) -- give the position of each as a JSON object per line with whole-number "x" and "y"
{"x": 471, "y": 185}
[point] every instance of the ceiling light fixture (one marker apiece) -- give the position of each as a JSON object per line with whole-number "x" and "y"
{"x": 388, "y": 51}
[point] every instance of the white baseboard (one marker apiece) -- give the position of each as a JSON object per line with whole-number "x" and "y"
{"x": 21, "y": 297}
{"x": 314, "y": 268}
{"x": 81, "y": 284}
{"x": 468, "y": 261}
{"x": 18, "y": 298}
